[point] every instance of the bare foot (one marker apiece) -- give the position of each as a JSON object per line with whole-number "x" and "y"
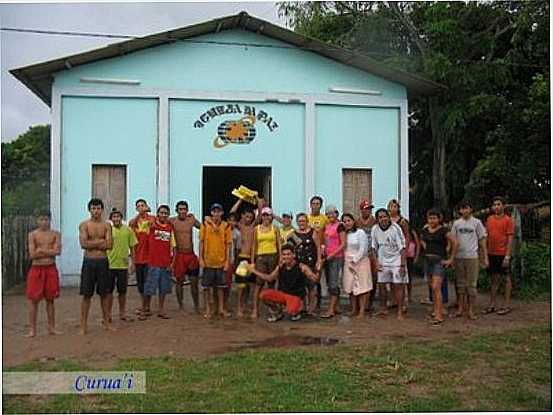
{"x": 54, "y": 332}
{"x": 254, "y": 316}
{"x": 360, "y": 316}
{"x": 30, "y": 334}
{"x": 240, "y": 315}
{"x": 400, "y": 316}
{"x": 208, "y": 316}
{"x": 83, "y": 331}
{"x": 108, "y": 327}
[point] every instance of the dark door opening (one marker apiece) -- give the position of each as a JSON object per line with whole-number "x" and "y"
{"x": 218, "y": 183}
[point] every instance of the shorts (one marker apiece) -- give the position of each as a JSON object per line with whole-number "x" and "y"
{"x": 357, "y": 278}
{"x": 333, "y": 273}
{"x": 293, "y": 303}
{"x": 433, "y": 267}
{"x": 392, "y": 275}
{"x": 213, "y": 278}
{"x": 119, "y": 278}
{"x": 186, "y": 263}
{"x": 43, "y": 282}
{"x": 265, "y": 264}
{"x": 157, "y": 281}
{"x": 466, "y": 275}
{"x": 141, "y": 271}
{"x": 95, "y": 275}
{"x": 496, "y": 265}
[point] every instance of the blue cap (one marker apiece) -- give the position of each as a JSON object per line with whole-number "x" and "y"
{"x": 216, "y": 206}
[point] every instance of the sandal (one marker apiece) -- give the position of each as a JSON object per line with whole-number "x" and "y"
{"x": 163, "y": 316}
{"x": 436, "y": 322}
{"x": 327, "y": 315}
{"x": 504, "y": 310}
{"x": 488, "y": 310}
{"x": 142, "y": 317}
{"x": 126, "y": 318}
{"x": 274, "y": 318}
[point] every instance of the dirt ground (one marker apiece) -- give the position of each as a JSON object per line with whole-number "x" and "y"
{"x": 188, "y": 335}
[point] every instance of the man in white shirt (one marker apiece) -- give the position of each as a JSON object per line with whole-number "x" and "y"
{"x": 388, "y": 243}
{"x": 471, "y": 236}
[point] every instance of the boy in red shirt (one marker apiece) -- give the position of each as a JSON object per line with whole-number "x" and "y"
{"x": 161, "y": 257}
{"x": 140, "y": 225}
{"x": 501, "y": 231}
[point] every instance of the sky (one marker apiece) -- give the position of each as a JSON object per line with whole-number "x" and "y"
{"x": 20, "y": 108}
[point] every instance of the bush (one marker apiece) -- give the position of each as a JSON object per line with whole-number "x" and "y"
{"x": 535, "y": 278}
{"x": 531, "y": 272}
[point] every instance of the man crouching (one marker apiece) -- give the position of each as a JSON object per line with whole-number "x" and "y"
{"x": 292, "y": 279}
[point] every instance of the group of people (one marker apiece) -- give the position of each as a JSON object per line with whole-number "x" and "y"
{"x": 270, "y": 261}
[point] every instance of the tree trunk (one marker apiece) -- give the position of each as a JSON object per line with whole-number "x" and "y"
{"x": 439, "y": 183}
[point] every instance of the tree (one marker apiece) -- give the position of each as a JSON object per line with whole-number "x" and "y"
{"x": 487, "y": 54}
{"x": 26, "y": 172}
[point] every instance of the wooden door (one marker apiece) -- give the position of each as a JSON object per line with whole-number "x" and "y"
{"x": 356, "y": 185}
{"x": 109, "y": 183}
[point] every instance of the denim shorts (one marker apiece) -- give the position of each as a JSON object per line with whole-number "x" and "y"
{"x": 214, "y": 277}
{"x": 333, "y": 273}
{"x": 433, "y": 267}
{"x": 158, "y": 280}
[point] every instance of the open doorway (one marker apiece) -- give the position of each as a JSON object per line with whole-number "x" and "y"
{"x": 218, "y": 183}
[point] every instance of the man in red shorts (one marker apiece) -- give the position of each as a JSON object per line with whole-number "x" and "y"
{"x": 186, "y": 262}
{"x": 292, "y": 277}
{"x": 42, "y": 279}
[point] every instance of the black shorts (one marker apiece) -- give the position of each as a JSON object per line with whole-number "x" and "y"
{"x": 141, "y": 274}
{"x": 95, "y": 275}
{"x": 119, "y": 279}
{"x": 496, "y": 265}
{"x": 213, "y": 278}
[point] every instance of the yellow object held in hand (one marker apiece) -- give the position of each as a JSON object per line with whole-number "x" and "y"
{"x": 242, "y": 269}
{"x": 246, "y": 194}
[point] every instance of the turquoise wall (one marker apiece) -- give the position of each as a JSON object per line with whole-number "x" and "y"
{"x": 183, "y": 65}
{"x": 281, "y": 149}
{"x": 124, "y": 131}
{"x": 103, "y": 131}
{"x": 357, "y": 137}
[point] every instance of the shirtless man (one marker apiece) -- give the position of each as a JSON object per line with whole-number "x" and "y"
{"x": 187, "y": 267}
{"x": 42, "y": 279}
{"x": 246, "y": 225}
{"x": 95, "y": 238}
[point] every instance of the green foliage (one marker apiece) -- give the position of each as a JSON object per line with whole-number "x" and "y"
{"x": 536, "y": 270}
{"x": 26, "y": 172}
{"x": 493, "y": 57}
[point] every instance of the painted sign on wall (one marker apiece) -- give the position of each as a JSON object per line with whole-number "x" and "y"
{"x": 236, "y": 130}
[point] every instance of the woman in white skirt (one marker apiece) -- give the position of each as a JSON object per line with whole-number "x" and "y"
{"x": 357, "y": 281}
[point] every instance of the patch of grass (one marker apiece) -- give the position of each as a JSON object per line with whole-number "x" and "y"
{"x": 507, "y": 372}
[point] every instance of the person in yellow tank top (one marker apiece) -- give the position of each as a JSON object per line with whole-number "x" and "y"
{"x": 265, "y": 252}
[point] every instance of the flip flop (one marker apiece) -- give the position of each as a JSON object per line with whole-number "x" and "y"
{"x": 504, "y": 310}
{"x": 327, "y": 316}
{"x": 126, "y": 318}
{"x": 488, "y": 310}
{"x": 436, "y": 322}
{"x": 164, "y": 316}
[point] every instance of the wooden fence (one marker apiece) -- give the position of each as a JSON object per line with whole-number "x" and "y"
{"x": 15, "y": 255}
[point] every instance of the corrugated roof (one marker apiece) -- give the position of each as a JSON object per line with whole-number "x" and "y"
{"x": 39, "y": 77}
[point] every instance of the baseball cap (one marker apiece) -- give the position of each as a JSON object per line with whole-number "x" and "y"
{"x": 289, "y": 214}
{"x": 266, "y": 211}
{"x": 115, "y": 211}
{"x": 216, "y": 206}
{"x": 364, "y": 204}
